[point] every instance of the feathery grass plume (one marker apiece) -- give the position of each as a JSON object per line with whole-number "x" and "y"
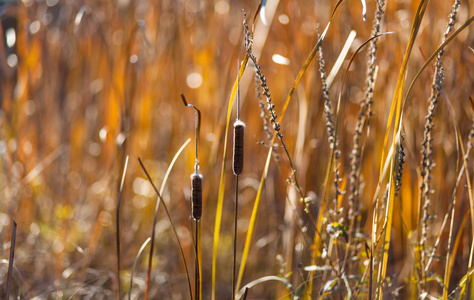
{"x": 427, "y": 147}
{"x": 363, "y": 119}
{"x": 261, "y": 105}
{"x": 327, "y": 102}
{"x": 330, "y": 126}
{"x": 335, "y": 227}
{"x": 365, "y": 110}
{"x": 271, "y": 108}
{"x": 401, "y": 161}
{"x": 263, "y": 80}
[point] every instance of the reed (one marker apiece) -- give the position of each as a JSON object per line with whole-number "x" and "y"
{"x": 237, "y": 167}
{"x": 196, "y": 201}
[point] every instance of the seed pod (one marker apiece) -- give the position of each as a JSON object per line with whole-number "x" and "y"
{"x": 238, "y": 158}
{"x": 196, "y": 200}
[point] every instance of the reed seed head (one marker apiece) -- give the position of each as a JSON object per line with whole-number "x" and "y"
{"x": 196, "y": 200}
{"x": 238, "y": 158}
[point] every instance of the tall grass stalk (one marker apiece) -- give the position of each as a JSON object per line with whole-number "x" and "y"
{"x": 117, "y": 221}
{"x": 237, "y": 167}
{"x": 427, "y": 148}
{"x": 220, "y": 200}
{"x": 196, "y": 200}
{"x": 363, "y": 121}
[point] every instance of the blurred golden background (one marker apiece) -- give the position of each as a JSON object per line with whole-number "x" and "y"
{"x": 84, "y": 84}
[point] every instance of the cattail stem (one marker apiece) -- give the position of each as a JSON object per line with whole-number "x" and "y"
{"x": 196, "y": 201}
{"x": 237, "y": 167}
{"x": 234, "y": 269}
{"x": 197, "y": 269}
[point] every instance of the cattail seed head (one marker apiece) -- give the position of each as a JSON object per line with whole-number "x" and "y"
{"x": 238, "y": 158}
{"x": 196, "y": 200}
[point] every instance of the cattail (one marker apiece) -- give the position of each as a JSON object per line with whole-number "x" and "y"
{"x": 238, "y": 159}
{"x": 196, "y": 200}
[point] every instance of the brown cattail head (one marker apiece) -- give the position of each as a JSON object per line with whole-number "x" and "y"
{"x": 196, "y": 200}
{"x": 238, "y": 159}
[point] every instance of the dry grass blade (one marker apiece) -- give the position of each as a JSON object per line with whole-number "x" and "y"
{"x": 153, "y": 234}
{"x": 172, "y": 225}
{"x": 10, "y": 261}
{"x": 117, "y": 222}
{"x": 261, "y": 280}
{"x": 168, "y": 171}
{"x": 135, "y": 264}
{"x": 463, "y": 282}
{"x": 340, "y": 59}
{"x": 42, "y": 165}
{"x": 452, "y": 256}
{"x": 395, "y": 111}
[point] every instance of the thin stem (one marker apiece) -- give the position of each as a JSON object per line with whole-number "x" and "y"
{"x": 118, "y": 225}
{"x": 197, "y": 131}
{"x": 196, "y": 268}
{"x": 10, "y": 261}
{"x": 238, "y": 90}
{"x": 235, "y": 233}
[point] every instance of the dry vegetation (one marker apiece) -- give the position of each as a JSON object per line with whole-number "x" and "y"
{"x": 327, "y": 212}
